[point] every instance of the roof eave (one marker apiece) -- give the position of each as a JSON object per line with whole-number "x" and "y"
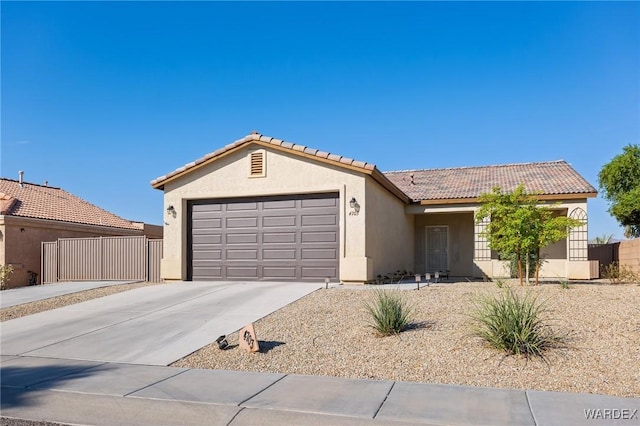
{"x": 371, "y": 171}
{"x": 542, "y": 197}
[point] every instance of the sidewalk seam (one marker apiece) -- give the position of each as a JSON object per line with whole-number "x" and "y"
{"x": 526, "y": 394}
{"x": 384, "y": 400}
{"x": 155, "y": 383}
{"x": 260, "y": 391}
{"x": 236, "y": 415}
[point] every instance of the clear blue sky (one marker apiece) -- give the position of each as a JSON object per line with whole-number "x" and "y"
{"x": 101, "y": 98}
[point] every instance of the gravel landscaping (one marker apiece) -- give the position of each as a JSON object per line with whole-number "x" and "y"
{"x": 326, "y": 333}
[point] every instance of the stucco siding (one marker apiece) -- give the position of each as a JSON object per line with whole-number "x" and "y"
{"x": 460, "y": 241}
{"x": 389, "y": 232}
{"x": 285, "y": 173}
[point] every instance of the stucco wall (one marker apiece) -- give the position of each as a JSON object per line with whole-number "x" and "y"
{"x": 22, "y": 238}
{"x": 389, "y": 232}
{"x": 460, "y": 250}
{"x": 285, "y": 174}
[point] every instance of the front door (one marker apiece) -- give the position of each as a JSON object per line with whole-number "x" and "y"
{"x": 436, "y": 248}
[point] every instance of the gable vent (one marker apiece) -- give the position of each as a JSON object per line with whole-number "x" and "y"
{"x": 257, "y": 164}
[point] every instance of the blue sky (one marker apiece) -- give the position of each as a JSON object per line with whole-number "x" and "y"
{"x": 99, "y": 98}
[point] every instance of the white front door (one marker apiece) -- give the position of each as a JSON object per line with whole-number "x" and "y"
{"x": 436, "y": 248}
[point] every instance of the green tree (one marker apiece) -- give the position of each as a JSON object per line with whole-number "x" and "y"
{"x": 620, "y": 184}
{"x": 519, "y": 227}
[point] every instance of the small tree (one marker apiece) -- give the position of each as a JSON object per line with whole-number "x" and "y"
{"x": 520, "y": 227}
{"x": 620, "y": 184}
{"x": 603, "y": 239}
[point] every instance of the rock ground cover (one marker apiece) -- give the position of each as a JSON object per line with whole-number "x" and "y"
{"x": 326, "y": 333}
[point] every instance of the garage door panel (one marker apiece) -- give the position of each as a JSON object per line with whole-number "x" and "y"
{"x": 278, "y": 237}
{"x": 319, "y": 272}
{"x": 246, "y": 238}
{"x": 288, "y": 254}
{"x": 319, "y": 202}
{"x": 206, "y": 255}
{"x": 243, "y": 254}
{"x": 253, "y": 206}
{"x": 314, "y": 254}
{"x": 202, "y": 209}
{"x": 208, "y": 273}
{"x": 279, "y": 272}
{"x": 319, "y": 219}
{"x": 207, "y": 224}
{"x": 280, "y": 204}
{"x": 315, "y": 237}
{"x": 204, "y": 238}
{"x": 288, "y": 238}
{"x": 249, "y": 272}
{"x": 242, "y": 222}
{"x": 278, "y": 221}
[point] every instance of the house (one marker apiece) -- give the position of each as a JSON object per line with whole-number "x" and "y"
{"x": 31, "y": 214}
{"x": 265, "y": 209}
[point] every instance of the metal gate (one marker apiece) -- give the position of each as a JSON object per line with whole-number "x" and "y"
{"x": 101, "y": 258}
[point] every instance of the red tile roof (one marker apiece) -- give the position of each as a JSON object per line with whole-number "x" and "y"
{"x": 46, "y": 202}
{"x": 548, "y": 178}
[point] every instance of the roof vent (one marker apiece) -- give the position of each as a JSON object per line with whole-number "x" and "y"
{"x": 257, "y": 164}
{"x": 21, "y": 178}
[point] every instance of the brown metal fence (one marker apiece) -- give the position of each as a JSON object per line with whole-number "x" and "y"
{"x": 101, "y": 258}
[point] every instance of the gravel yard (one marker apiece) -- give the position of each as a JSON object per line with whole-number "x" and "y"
{"x": 326, "y": 333}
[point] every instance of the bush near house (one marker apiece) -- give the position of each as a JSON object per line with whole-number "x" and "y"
{"x": 514, "y": 323}
{"x": 389, "y": 312}
{"x": 5, "y": 275}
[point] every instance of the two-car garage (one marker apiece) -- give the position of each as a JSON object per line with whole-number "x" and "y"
{"x": 278, "y": 238}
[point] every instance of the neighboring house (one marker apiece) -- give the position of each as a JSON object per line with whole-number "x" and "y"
{"x": 262, "y": 208}
{"x": 31, "y": 214}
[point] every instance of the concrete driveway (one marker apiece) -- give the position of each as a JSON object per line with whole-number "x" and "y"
{"x": 18, "y": 296}
{"x": 154, "y": 325}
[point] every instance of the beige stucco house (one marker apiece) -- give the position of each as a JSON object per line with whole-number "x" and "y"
{"x": 31, "y": 214}
{"x": 265, "y": 209}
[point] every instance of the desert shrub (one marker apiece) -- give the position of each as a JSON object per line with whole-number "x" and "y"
{"x": 389, "y": 312}
{"x": 513, "y": 323}
{"x": 619, "y": 274}
{"x": 5, "y": 275}
{"x": 499, "y": 282}
{"x": 564, "y": 284}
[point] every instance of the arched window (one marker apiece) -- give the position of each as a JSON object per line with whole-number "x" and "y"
{"x": 578, "y": 238}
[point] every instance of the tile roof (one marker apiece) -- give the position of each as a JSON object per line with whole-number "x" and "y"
{"x": 267, "y": 140}
{"x": 46, "y": 202}
{"x": 549, "y": 178}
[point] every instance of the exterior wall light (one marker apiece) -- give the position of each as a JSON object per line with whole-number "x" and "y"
{"x": 355, "y": 206}
{"x": 171, "y": 210}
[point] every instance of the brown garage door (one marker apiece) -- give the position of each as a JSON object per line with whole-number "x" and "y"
{"x": 292, "y": 238}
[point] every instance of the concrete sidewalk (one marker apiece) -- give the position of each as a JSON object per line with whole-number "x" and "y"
{"x": 18, "y": 296}
{"x": 94, "y": 393}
